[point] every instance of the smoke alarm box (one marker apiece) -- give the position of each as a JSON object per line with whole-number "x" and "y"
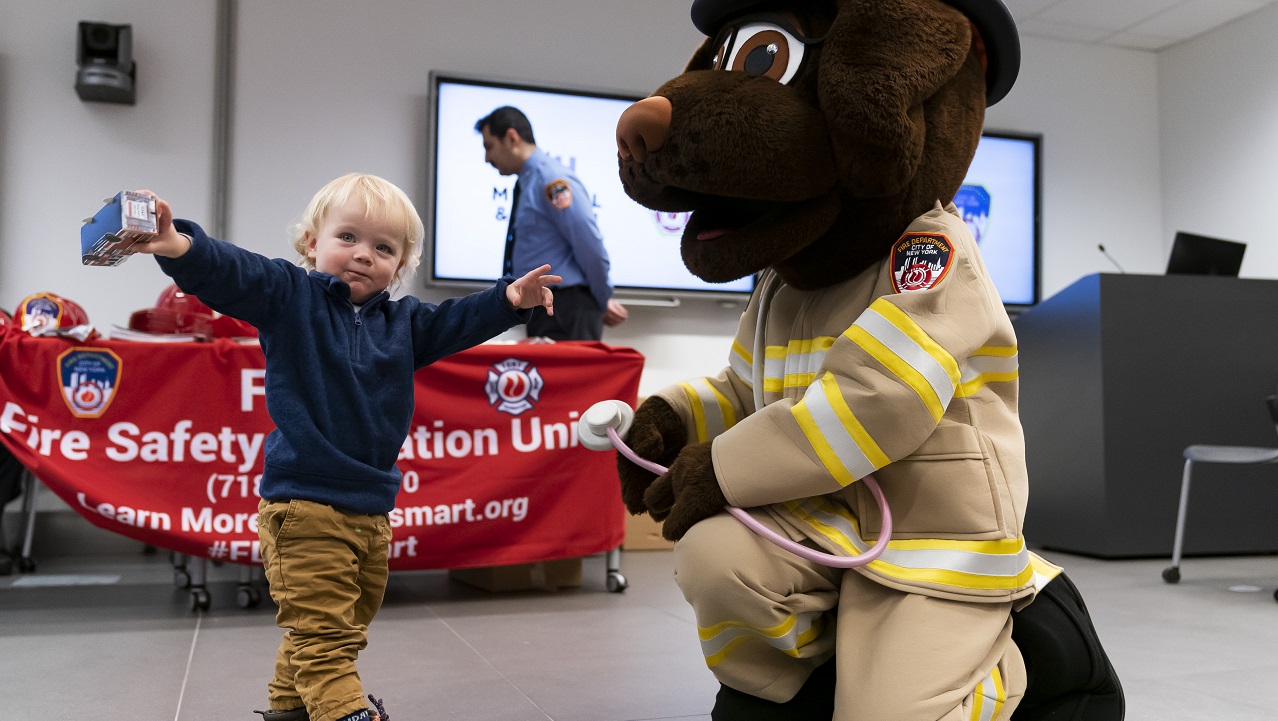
{"x": 109, "y": 236}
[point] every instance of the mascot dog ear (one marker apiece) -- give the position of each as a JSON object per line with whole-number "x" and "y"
{"x": 884, "y": 67}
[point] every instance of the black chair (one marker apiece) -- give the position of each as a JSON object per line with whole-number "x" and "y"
{"x": 1215, "y": 454}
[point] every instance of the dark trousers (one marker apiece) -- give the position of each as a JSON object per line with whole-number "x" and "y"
{"x": 577, "y": 316}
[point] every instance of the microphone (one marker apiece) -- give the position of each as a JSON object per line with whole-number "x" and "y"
{"x": 1111, "y": 258}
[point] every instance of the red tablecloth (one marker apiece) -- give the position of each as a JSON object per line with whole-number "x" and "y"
{"x": 163, "y": 443}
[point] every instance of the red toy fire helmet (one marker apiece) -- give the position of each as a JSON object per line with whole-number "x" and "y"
{"x": 41, "y": 313}
{"x": 179, "y": 312}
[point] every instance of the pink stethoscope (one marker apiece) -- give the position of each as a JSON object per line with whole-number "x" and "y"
{"x": 603, "y": 425}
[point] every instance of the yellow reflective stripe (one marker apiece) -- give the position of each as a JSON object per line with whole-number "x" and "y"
{"x": 698, "y": 413}
{"x": 788, "y": 636}
{"x": 899, "y": 368}
{"x": 1000, "y": 351}
{"x": 844, "y": 447}
{"x": 997, "y": 564}
{"x": 774, "y": 369}
{"x": 906, "y": 325}
{"x": 957, "y": 579}
{"x": 988, "y": 365}
{"x": 741, "y": 361}
{"x": 901, "y": 346}
{"x": 711, "y": 411}
{"x": 799, "y": 380}
{"x": 988, "y": 697}
{"x": 1044, "y": 571}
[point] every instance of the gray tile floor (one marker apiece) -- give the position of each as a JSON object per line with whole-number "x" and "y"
{"x": 442, "y": 650}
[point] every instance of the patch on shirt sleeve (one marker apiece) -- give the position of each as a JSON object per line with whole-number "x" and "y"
{"x": 920, "y": 261}
{"x": 559, "y": 194}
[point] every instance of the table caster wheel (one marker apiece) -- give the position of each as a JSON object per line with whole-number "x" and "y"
{"x": 181, "y": 578}
{"x": 26, "y": 565}
{"x": 199, "y": 599}
{"x": 248, "y": 597}
{"x": 1171, "y": 574}
{"x": 616, "y": 582}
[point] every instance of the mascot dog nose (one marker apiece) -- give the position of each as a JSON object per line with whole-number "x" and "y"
{"x": 643, "y": 128}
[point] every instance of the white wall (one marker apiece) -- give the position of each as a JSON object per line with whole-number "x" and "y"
{"x": 1219, "y": 95}
{"x": 59, "y": 157}
{"x": 324, "y": 87}
{"x": 1097, "y": 109}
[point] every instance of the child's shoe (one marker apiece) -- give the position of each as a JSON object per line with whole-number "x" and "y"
{"x": 293, "y": 714}
{"x": 381, "y": 714}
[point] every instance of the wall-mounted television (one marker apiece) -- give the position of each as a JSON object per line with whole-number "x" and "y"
{"x": 1000, "y": 200}
{"x": 468, "y": 199}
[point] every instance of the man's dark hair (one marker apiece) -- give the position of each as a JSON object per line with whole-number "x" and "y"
{"x": 505, "y": 118}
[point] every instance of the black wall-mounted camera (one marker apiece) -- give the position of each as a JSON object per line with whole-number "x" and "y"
{"x": 105, "y": 55}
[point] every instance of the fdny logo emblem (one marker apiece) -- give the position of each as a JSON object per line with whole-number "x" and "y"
{"x": 89, "y": 378}
{"x": 920, "y": 261}
{"x": 559, "y": 194}
{"x": 973, "y": 202}
{"x": 513, "y": 386}
{"x": 40, "y": 314}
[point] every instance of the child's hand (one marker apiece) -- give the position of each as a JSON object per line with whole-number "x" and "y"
{"x": 530, "y": 291}
{"x": 168, "y": 242}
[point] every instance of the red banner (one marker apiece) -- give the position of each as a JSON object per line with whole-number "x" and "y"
{"x": 163, "y": 442}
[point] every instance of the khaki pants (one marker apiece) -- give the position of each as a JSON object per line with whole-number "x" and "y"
{"x": 766, "y": 618}
{"x": 327, "y": 572}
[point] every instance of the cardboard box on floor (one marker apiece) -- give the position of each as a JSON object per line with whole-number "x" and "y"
{"x": 644, "y": 534}
{"x": 542, "y": 576}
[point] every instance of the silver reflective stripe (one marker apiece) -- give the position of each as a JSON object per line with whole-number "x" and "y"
{"x": 828, "y": 434}
{"x": 787, "y": 637}
{"x": 716, "y": 414}
{"x": 982, "y": 369}
{"x": 838, "y": 525}
{"x": 774, "y": 369}
{"x": 804, "y": 359}
{"x": 988, "y": 698}
{"x": 907, "y": 350}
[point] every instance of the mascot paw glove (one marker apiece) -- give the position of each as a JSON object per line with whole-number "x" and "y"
{"x": 656, "y": 434}
{"x": 687, "y": 494}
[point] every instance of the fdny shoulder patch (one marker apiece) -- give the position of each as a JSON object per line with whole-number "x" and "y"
{"x": 920, "y": 261}
{"x": 559, "y": 194}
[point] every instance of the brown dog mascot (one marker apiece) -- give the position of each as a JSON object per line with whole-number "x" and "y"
{"x": 819, "y": 143}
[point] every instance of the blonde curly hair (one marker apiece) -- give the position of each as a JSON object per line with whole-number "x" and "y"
{"x": 382, "y": 200}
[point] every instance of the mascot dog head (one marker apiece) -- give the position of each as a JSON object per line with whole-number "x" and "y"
{"x": 838, "y": 123}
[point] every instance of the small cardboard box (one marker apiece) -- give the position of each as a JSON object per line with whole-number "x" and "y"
{"x": 542, "y": 575}
{"x": 644, "y": 534}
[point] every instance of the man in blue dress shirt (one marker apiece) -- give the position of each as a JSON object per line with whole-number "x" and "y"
{"x": 552, "y": 220}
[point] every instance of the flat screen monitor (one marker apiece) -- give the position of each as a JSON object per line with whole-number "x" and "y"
{"x": 1200, "y": 255}
{"x": 1000, "y": 200}
{"x": 469, "y": 199}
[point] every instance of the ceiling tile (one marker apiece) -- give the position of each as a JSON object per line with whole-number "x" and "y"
{"x": 1197, "y": 16}
{"x": 1109, "y": 14}
{"x": 1063, "y": 31}
{"x": 1022, "y": 9}
{"x": 1140, "y": 41}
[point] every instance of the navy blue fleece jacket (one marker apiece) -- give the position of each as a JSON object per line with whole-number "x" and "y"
{"x": 339, "y": 383}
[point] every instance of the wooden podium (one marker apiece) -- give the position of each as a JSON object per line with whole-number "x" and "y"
{"x": 1118, "y": 373}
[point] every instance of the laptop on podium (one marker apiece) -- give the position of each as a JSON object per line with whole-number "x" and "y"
{"x": 1201, "y": 255}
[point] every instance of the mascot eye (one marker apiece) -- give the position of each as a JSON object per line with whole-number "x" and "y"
{"x": 762, "y": 49}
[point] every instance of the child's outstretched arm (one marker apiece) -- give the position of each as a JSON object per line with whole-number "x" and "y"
{"x": 530, "y": 291}
{"x": 168, "y": 242}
